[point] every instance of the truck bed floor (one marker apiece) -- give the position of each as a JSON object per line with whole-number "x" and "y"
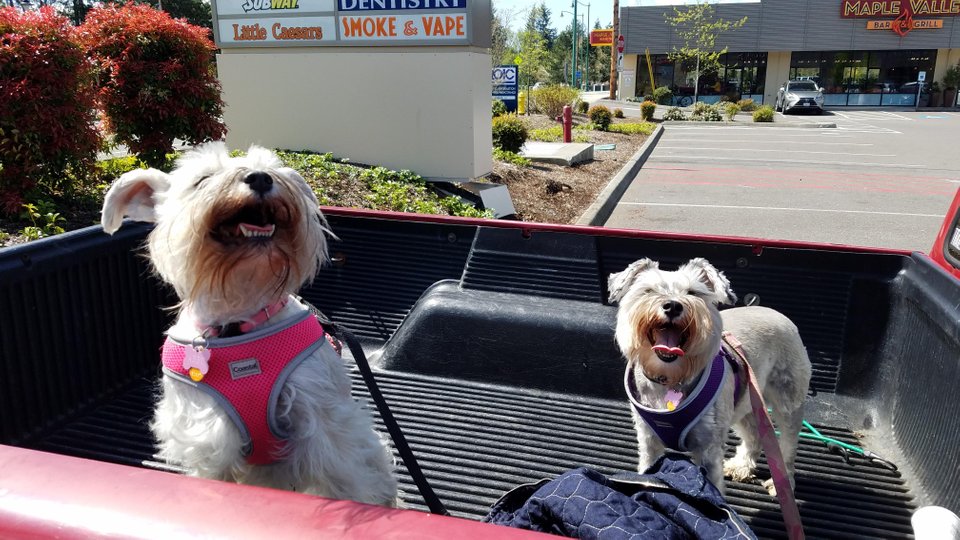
{"x": 476, "y": 441}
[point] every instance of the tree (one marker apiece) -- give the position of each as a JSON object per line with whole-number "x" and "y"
{"x": 599, "y": 59}
{"x": 500, "y": 34}
{"x": 697, "y": 26}
{"x": 539, "y": 21}
{"x": 532, "y": 51}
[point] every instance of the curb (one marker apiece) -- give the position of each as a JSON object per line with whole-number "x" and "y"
{"x": 598, "y": 212}
{"x": 752, "y": 124}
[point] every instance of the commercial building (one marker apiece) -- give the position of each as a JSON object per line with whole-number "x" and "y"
{"x": 861, "y": 52}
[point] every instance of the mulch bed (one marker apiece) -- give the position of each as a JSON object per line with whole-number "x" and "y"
{"x": 550, "y": 193}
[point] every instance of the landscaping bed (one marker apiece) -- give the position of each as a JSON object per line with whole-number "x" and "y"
{"x": 541, "y": 192}
{"x": 550, "y": 193}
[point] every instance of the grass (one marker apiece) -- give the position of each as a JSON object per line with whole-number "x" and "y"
{"x": 555, "y": 134}
{"x": 632, "y": 128}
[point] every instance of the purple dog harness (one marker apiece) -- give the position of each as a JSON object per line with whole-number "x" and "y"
{"x": 673, "y": 426}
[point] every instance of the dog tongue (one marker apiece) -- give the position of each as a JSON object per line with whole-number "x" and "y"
{"x": 667, "y": 341}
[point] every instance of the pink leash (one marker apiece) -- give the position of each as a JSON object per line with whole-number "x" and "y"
{"x": 768, "y": 439}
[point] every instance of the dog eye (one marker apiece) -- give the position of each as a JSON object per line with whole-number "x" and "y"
{"x": 200, "y": 181}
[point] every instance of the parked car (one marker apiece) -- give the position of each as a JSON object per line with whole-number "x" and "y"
{"x": 800, "y": 95}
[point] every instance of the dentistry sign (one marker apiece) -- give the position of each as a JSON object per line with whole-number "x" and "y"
{"x": 310, "y": 23}
{"x": 902, "y": 16}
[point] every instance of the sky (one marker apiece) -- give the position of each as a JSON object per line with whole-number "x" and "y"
{"x": 599, "y": 9}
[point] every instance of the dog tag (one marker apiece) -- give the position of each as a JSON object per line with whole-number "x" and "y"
{"x": 673, "y": 399}
{"x": 196, "y": 360}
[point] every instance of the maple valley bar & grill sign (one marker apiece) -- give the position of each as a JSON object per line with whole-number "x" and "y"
{"x": 905, "y": 13}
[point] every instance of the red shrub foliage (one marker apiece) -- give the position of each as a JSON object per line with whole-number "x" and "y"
{"x": 47, "y": 110}
{"x": 156, "y": 77}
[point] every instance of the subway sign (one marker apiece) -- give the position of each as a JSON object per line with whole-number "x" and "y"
{"x": 317, "y": 23}
{"x": 904, "y": 13}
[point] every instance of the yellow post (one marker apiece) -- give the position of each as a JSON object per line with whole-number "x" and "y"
{"x": 653, "y": 83}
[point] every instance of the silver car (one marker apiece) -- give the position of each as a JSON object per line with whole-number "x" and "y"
{"x": 800, "y": 95}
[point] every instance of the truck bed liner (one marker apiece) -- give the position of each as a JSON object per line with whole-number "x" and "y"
{"x": 476, "y": 441}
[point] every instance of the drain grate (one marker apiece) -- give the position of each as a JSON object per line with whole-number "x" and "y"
{"x": 476, "y": 441}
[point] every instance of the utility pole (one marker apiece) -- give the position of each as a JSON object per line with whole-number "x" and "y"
{"x": 573, "y": 73}
{"x": 613, "y": 50}
{"x": 586, "y": 79}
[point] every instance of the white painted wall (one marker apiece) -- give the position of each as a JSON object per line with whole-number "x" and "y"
{"x": 426, "y": 110}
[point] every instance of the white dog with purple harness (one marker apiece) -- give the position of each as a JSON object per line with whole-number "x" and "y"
{"x": 685, "y": 379}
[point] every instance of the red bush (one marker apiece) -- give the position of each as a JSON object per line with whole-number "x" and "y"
{"x": 157, "y": 81}
{"x": 46, "y": 103}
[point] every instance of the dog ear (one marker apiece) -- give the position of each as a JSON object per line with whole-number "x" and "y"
{"x": 617, "y": 284}
{"x": 713, "y": 279}
{"x": 133, "y": 195}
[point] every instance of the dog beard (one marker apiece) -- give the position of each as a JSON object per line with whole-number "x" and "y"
{"x": 693, "y": 333}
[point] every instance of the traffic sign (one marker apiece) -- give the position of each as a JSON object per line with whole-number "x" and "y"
{"x": 922, "y": 76}
{"x": 620, "y": 43}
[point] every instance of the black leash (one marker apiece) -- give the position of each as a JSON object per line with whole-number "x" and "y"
{"x": 344, "y": 335}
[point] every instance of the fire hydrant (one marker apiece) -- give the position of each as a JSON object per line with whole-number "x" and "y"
{"x": 522, "y": 103}
{"x": 567, "y": 124}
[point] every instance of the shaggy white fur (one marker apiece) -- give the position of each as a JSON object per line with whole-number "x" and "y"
{"x": 680, "y": 309}
{"x": 202, "y": 245}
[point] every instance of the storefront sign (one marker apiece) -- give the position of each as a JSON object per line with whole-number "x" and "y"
{"x": 346, "y": 22}
{"x": 601, "y": 38}
{"x": 918, "y": 24}
{"x": 505, "y": 83}
{"x": 903, "y": 12}
{"x": 293, "y": 30}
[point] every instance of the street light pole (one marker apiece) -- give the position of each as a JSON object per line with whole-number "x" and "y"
{"x": 573, "y": 73}
{"x": 587, "y": 71}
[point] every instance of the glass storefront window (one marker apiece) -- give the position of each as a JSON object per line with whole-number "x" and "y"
{"x": 864, "y": 77}
{"x": 740, "y": 76}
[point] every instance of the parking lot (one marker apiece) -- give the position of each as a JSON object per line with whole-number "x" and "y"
{"x": 880, "y": 178}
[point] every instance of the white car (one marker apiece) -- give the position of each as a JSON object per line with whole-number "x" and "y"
{"x": 800, "y": 95}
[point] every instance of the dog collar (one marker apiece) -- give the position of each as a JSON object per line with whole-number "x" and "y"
{"x": 672, "y": 426}
{"x": 248, "y": 324}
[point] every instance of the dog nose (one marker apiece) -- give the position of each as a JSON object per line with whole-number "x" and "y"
{"x": 260, "y": 182}
{"x": 672, "y": 309}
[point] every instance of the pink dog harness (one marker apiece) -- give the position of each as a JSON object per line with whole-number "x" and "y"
{"x": 245, "y": 374}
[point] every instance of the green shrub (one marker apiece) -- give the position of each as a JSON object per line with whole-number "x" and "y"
{"x": 647, "y": 108}
{"x": 648, "y": 97}
{"x": 674, "y": 114}
{"x": 618, "y": 113}
{"x": 747, "y": 105}
{"x": 732, "y": 110}
{"x": 662, "y": 95}
{"x": 551, "y": 99}
{"x": 633, "y": 128}
{"x": 499, "y": 108}
{"x": 582, "y": 107}
{"x": 510, "y": 157}
{"x": 763, "y": 114}
{"x": 509, "y": 132}
{"x": 706, "y": 113}
{"x": 600, "y": 116}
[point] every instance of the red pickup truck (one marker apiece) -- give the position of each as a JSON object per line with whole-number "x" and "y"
{"x": 493, "y": 344}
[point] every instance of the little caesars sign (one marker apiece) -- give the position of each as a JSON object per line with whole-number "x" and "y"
{"x": 399, "y": 83}
{"x": 904, "y": 13}
{"x": 341, "y": 22}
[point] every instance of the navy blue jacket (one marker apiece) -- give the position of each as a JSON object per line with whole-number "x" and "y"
{"x": 673, "y": 500}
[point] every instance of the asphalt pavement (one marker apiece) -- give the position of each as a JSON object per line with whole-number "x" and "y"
{"x": 880, "y": 178}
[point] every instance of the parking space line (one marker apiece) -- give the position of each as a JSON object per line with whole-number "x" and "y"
{"x": 774, "y": 141}
{"x": 770, "y": 150}
{"x": 655, "y": 157}
{"x": 782, "y": 209}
